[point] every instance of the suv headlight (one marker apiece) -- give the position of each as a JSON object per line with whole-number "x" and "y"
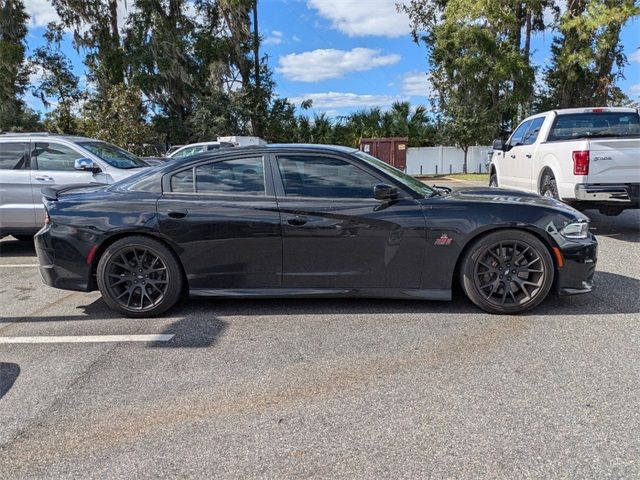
{"x": 576, "y": 230}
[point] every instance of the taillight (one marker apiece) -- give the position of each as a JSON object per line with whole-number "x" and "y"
{"x": 581, "y": 162}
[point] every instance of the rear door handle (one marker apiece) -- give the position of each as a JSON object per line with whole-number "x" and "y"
{"x": 528, "y": 155}
{"x": 177, "y": 213}
{"x": 44, "y": 178}
{"x": 297, "y": 221}
{"x": 512, "y": 156}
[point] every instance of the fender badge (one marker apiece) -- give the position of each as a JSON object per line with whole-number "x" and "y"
{"x": 443, "y": 240}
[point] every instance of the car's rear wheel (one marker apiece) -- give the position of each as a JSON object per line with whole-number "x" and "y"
{"x": 493, "y": 180}
{"x": 549, "y": 187}
{"x": 139, "y": 277}
{"x": 508, "y": 271}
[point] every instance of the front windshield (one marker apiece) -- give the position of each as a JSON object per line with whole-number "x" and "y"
{"x": 114, "y": 156}
{"x": 413, "y": 183}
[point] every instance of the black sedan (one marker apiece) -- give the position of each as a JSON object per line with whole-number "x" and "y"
{"x": 308, "y": 221}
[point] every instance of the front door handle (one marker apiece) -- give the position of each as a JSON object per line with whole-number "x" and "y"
{"x": 512, "y": 156}
{"x": 44, "y": 178}
{"x": 177, "y": 213}
{"x": 297, "y": 221}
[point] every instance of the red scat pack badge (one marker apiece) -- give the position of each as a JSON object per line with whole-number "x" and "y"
{"x": 443, "y": 240}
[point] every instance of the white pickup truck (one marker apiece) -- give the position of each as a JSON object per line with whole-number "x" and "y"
{"x": 587, "y": 157}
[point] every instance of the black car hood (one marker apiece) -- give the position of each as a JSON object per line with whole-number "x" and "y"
{"x": 513, "y": 197}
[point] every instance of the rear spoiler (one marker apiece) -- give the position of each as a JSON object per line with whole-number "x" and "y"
{"x": 51, "y": 193}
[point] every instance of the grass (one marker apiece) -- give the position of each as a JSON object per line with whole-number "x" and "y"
{"x": 474, "y": 177}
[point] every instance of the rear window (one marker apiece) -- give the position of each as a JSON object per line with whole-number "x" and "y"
{"x": 13, "y": 155}
{"x": 595, "y": 125}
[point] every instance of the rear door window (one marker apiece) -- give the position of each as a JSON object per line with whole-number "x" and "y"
{"x": 243, "y": 176}
{"x": 13, "y": 155}
{"x": 534, "y": 129}
{"x": 595, "y": 125}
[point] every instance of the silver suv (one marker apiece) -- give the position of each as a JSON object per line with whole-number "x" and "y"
{"x": 31, "y": 161}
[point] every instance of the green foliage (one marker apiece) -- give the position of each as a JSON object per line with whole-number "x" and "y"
{"x": 587, "y": 57}
{"x": 14, "y": 74}
{"x": 118, "y": 116}
{"x": 57, "y": 84}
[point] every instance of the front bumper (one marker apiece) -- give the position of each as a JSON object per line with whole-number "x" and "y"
{"x": 576, "y": 275}
{"x": 625, "y": 194}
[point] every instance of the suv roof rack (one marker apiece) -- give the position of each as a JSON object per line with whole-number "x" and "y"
{"x": 29, "y": 134}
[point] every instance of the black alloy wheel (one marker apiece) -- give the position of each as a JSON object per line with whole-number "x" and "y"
{"x": 508, "y": 272}
{"x": 139, "y": 277}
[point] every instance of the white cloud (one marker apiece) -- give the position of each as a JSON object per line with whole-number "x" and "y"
{"x": 635, "y": 89}
{"x": 324, "y": 64}
{"x": 635, "y": 56}
{"x": 417, "y": 84}
{"x": 41, "y": 12}
{"x": 358, "y": 18}
{"x": 274, "y": 39}
{"x": 335, "y": 100}
{"x": 295, "y": 38}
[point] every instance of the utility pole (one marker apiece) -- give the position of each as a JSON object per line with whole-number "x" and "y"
{"x": 257, "y": 128}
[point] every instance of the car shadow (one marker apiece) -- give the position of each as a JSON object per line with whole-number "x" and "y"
{"x": 625, "y": 227}
{"x": 9, "y": 372}
{"x": 15, "y": 248}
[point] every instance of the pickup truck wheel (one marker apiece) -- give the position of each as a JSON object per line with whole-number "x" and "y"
{"x": 507, "y": 272}
{"x": 493, "y": 181}
{"x": 549, "y": 187}
{"x": 610, "y": 211}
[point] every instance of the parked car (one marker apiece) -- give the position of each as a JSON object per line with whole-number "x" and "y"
{"x": 587, "y": 157}
{"x": 195, "y": 148}
{"x": 308, "y": 220}
{"x": 31, "y": 161}
{"x": 173, "y": 149}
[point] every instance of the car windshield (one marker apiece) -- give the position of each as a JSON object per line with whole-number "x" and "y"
{"x": 114, "y": 156}
{"x": 595, "y": 125}
{"x": 413, "y": 183}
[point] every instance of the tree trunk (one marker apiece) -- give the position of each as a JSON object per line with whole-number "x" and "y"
{"x": 256, "y": 123}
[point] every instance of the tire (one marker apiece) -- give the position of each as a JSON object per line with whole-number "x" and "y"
{"x": 549, "y": 187}
{"x": 139, "y": 277}
{"x": 483, "y": 277}
{"x": 493, "y": 181}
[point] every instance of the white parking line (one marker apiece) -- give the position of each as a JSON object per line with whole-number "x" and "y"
{"x": 89, "y": 338}
{"x": 16, "y": 265}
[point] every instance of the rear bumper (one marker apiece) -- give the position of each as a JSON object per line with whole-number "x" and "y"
{"x": 576, "y": 275}
{"x": 624, "y": 194}
{"x": 64, "y": 266}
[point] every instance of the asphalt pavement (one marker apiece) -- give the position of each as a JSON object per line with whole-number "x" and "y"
{"x": 324, "y": 388}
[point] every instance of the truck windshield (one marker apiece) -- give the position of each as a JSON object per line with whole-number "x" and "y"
{"x": 114, "y": 156}
{"x": 595, "y": 125}
{"x": 408, "y": 180}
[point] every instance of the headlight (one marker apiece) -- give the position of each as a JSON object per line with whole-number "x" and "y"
{"x": 576, "y": 230}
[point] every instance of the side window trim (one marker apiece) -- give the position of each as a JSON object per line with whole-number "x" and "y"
{"x": 268, "y": 178}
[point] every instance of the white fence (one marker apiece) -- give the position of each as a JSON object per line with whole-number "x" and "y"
{"x": 444, "y": 160}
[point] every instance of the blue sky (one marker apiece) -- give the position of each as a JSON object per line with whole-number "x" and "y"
{"x": 344, "y": 54}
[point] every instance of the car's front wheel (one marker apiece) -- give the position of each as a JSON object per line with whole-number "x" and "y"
{"x": 508, "y": 271}
{"x": 139, "y": 277}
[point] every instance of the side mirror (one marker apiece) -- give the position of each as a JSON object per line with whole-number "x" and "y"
{"x": 382, "y": 191}
{"x": 86, "y": 165}
{"x": 498, "y": 145}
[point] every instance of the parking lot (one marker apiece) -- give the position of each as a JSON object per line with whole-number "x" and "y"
{"x": 324, "y": 388}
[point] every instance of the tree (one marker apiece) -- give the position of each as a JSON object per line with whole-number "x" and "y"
{"x": 96, "y": 31}
{"x": 57, "y": 84}
{"x": 118, "y": 116}
{"x": 14, "y": 74}
{"x": 587, "y": 58}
